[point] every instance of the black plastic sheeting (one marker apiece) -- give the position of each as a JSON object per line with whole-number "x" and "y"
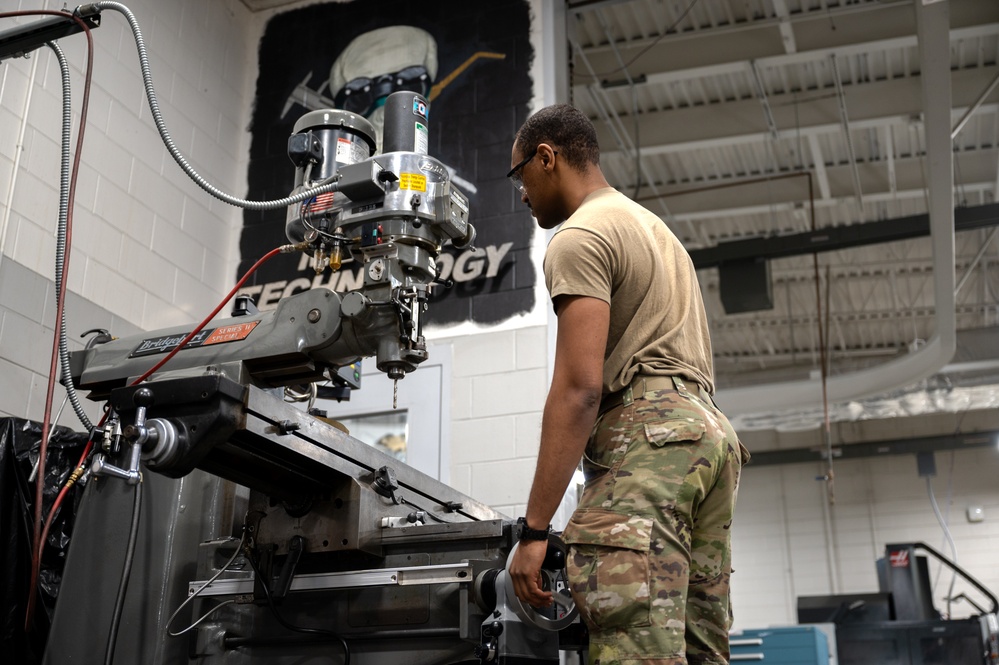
{"x": 19, "y": 443}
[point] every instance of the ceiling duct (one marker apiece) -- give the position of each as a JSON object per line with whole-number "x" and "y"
{"x": 932, "y": 22}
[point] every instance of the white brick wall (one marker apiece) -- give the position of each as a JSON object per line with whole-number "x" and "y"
{"x": 150, "y": 248}
{"x": 498, "y": 392}
{"x": 140, "y": 223}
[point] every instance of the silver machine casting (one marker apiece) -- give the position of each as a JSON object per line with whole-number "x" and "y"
{"x": 291, "y": 540}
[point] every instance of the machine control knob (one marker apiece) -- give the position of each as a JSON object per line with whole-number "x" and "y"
{"x": 554, "y": 559}
{"x": 486, "y": 653}
{"x": 143, "y": 397}
{"x": 136, "y": 432}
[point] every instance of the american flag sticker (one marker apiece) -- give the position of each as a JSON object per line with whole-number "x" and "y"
{"x": 320, "y": 203}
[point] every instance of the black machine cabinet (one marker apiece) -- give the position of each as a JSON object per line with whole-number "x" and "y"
{"x": 899, "y": 625}
{"x": 932, "y": 642}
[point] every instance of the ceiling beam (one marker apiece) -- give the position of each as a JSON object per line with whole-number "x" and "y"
{"x": 770, "y": 210}
{"x": 890, "y": 158}
{"x": 720, "y": 52}
{"x": 819, "y": 166}
{"x": 928, "y": 444}
{"x": 726, "y": 198}
{"x": 876, "y": 104}
{"x": 785, "y": 26}
{"x": 771, "y": 325}
{"x": 840, "y": 237}
{"x": 761, "y": 94}
{"x": 844, "y": 119}
{"x": 590, "y": 5}
{"x": 974, "y": 262}
{"x": 974, "y": 107}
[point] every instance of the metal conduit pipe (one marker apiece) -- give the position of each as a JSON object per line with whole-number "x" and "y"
{"x": 932, "y": 21}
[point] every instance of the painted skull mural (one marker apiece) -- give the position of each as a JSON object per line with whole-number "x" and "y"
{"x": 471, "y": 62}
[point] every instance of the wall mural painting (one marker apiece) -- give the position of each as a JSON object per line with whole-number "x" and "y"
{"x": 471, "y": 60}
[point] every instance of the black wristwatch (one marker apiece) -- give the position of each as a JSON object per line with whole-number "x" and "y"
{"x": 527, "y": 533}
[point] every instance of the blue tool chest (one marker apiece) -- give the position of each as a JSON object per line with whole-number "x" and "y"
{"x": 791, "y": 645}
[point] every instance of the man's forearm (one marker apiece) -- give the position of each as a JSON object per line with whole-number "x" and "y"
{"x": 565, "y": 428}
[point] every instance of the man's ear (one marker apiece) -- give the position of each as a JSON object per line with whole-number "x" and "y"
{"x": 547, "y": 156}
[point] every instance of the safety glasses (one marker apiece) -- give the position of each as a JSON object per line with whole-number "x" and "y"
{"x": 516, "y": 175}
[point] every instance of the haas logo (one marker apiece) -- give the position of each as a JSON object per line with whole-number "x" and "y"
{"x": 899, "y": 559}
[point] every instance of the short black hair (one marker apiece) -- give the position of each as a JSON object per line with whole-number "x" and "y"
{"x": 567, "y": 129}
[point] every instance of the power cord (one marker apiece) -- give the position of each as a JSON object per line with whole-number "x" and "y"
{"x": 189, "y": 599}
{"x": 297, "y": 629}
{"x": 147, "y": 80}
{"x": 119, "y": 603}
{"x": 66, "y": 200}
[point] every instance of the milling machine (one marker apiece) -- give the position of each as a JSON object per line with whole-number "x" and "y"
{"x": 268, "y": 534}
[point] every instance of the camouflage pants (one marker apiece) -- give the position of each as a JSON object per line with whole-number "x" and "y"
{"x": 649, "y": 544}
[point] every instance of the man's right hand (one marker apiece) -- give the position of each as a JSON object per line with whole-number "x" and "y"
{"x": 525, "y": 572}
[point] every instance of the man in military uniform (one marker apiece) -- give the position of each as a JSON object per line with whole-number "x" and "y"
{"x": 649, "y": 543}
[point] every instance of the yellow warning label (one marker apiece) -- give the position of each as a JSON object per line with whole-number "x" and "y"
{"x": 414, "y": 181}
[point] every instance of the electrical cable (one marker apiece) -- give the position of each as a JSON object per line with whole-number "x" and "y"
{"x": 946, "y": 520}
{"x": 154, "y": 107}
{"x": 78, "y": 472}
{"x": 73, "y": 478}
{"x": 634, "y": 106}
{"x": 62, "y": 257}
{"x": 89, "y": 447}
{"x": 638, "y": 143}
{"x": 297, "y": 629}
{"x": 55, "y": 422}
{"x": 67, "y": 197}
{"x": 197, "y": 622}
{"x": 947, "y": 535}
{"x": 64, "y": 235}
{"x": 119, "y": 603}
{"x": 190, "y": 598}
{"x": 307, "y": 223}
{"x": 950, "y": 501}
{"x": 133, "y": 531}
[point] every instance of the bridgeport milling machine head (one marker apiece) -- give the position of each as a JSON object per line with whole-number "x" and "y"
{"x": 391, "y": 213}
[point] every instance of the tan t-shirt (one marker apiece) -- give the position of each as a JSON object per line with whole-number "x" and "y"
{"x": 613, "y": 249}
